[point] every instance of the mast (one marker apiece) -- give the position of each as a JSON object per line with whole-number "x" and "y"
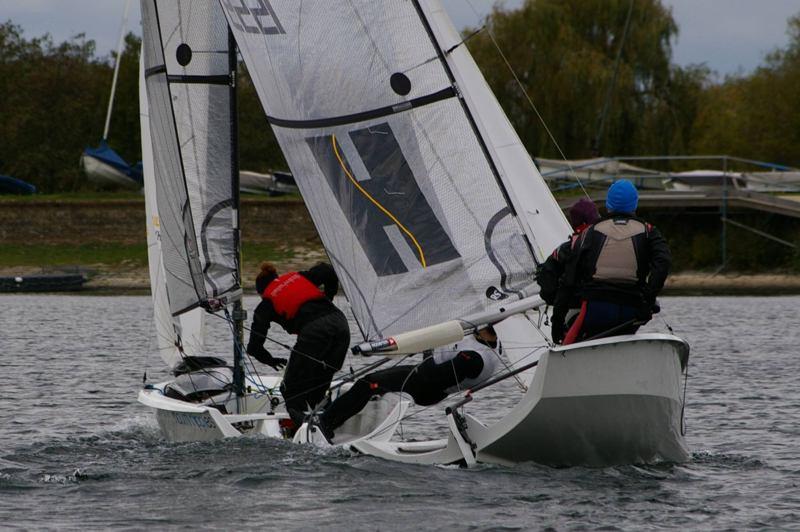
{"x": 239, "y": 313}
{"x": 116, "y": 68}
{"x": 441, "y": 53}
{"x": 530, "y": 200}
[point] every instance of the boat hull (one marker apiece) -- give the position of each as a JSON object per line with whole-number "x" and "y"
{"x": 102, "y": 173}
{"x": 602, "y": 403}
{"x": 182, "y": 421}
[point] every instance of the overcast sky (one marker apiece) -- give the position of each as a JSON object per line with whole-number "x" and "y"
{"x": 726, "y": 35}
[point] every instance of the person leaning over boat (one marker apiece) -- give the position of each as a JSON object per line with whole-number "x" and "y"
{"x": 581, "y": 215}
{"x": 295, "y": 302}
{"x": 447, "y": 371}
{"x": 616, "y": 269}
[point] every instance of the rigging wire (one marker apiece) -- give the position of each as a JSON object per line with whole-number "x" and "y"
{"x": 402, "y": 418}
{"x": 530, "y": 100}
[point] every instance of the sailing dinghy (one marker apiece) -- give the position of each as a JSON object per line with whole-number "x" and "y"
{"x": 434, "y": 217}
{"x": 102, "y": 164}
{"x": 188, "y": 110}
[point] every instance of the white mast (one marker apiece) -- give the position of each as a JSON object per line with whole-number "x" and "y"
{"x": 116, "y": 67}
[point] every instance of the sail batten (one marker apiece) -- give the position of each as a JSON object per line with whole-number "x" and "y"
{"x": 447, "y": 92}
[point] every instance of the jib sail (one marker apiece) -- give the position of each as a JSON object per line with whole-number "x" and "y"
{"x": 189, "y": 89}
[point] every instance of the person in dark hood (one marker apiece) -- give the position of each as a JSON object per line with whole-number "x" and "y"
{"x": 616, "y": 268}
{"x": 582, "y": 214}
{"x": 295, "y": 302}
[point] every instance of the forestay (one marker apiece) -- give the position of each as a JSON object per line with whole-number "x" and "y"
{"x": 404, "y": 192}
{"x": 188, "y": 79}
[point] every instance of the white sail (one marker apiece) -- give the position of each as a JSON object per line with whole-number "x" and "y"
{"x": 402, "y": 189}
{"x": 186, "y": 330}
{"x": 542, "y": 217}
{"x": 188, "y": 80}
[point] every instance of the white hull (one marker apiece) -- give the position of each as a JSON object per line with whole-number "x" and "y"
{"x": 104, "y": 174}
{"x": 181, "y": 421}
{"x": 600, "y": 403}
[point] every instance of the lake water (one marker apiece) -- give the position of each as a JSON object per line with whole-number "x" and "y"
{"x": 78, "y": 452}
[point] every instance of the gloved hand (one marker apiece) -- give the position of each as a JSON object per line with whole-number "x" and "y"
{"x": 278, "y": 363}
{"x": 265, "y": 357}
{"x": 655, "y": 308}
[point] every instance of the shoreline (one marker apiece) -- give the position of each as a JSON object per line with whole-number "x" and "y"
{"x": 103, "y": 280}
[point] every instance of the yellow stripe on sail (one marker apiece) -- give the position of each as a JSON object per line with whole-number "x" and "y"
{"x": 373, "y": 200}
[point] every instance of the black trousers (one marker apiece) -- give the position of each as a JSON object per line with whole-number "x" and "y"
{"x": 318, "y": 353}
{"x": 426, "y": 383}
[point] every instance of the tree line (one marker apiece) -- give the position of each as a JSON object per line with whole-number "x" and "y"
{"x": 54, "y": 102}
{"x": 599, "y": 72}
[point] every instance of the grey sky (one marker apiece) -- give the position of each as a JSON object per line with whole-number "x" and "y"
{"x": 727, "y": 35}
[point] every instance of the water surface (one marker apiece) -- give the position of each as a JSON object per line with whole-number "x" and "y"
{"x": 77, "y": 451}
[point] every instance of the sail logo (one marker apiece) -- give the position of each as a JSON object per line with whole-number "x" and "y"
{"x": 257, "y": 18}
{"x": 494, "y": 294}
{"x": 389, "y": 214}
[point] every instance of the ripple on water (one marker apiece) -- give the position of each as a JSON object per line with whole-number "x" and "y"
{"x": 75, "y": 444}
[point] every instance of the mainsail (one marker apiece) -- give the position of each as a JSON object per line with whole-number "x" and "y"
{"x": 188, "y": 73}
{"x": 411, "y": 203}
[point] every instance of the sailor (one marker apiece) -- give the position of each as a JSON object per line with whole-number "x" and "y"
{"x": 295, "y": 302}
{"x": 616, "y": 269}
{"x": 447, "y": 371}
{"x": 581, "y": 215}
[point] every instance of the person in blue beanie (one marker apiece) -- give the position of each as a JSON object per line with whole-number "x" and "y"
{"x": 615, "y": 270}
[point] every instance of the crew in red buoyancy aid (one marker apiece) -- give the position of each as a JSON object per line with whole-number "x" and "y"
{"x": 295, "y": 302}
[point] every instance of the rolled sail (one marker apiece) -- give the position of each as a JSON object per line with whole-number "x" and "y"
{"x": 401, "y": 188}
{"x": 189, "y": 87}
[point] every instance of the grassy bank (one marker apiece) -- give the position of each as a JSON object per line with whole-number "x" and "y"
{"x": 103, "y": 234}
{"x": 111, "y": 255}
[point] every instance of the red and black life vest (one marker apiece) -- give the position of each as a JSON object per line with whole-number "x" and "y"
{"x": 289, "y": 292}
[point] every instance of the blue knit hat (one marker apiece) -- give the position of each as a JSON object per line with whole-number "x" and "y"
{"x": 622, "y": 197}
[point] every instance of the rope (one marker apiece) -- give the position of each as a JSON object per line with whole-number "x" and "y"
{"x": 530, "y": 101}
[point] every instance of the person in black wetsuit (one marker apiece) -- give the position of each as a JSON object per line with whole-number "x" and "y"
{"x": 616, "y": 269}
{"x": 447, "y": 371}
{"x": 582, "y": 214}
{"x": 295, "y": 302}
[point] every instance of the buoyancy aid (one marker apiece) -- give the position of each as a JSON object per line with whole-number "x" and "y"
{"x": 617, "y": 261}
{"x": 289, "y": 292}
{"x": 491, "y": 361}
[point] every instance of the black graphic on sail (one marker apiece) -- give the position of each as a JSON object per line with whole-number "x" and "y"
{"x": 385, "y": 203}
